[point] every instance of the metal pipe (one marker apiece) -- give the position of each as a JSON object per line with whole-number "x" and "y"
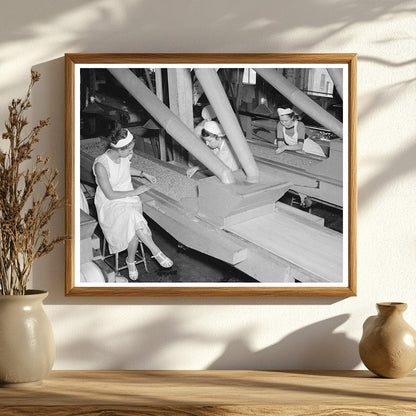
{"x": 180, "y": 103}
{"x": 215, "y": 93}
{"x": 172, "y": 124}
{"x": 336, "y": 76}
{"x": 159, "y": 94}
{"x": 300, "y": 99}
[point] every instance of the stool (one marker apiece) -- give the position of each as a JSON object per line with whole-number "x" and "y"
{"x": 138, "y": 258}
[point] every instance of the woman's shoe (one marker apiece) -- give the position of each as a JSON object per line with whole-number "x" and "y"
{"x": 133, "y": 273}
{"x": 163, "y": 260}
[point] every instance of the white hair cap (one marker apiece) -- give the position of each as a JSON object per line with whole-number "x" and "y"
{"x": 123, "y": 142}
{"x": 214, "y": 128}
{"x": 208, "y": 113}
{"x": 284, "y": 111}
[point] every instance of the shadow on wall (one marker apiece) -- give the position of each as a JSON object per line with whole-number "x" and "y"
{"x": 96, "y": 19}
{"x": 143, "y": 347}
{"x": 152, "y": 345}
{"x": 391, "y": 170}
{"x": 313, "y": 347}
{"x": 104, "y": 26}
{"x": 48, "y": 100}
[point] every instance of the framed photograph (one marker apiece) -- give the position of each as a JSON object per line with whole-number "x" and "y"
{"x": 211, "y": 174}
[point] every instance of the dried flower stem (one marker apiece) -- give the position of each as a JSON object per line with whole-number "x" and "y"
{"x": 23, "y": 218}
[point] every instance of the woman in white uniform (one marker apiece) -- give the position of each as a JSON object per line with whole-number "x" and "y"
{"x": 118, "y": 204}
{"x": 214, "y": 136}
{"x": 291, "y": 134}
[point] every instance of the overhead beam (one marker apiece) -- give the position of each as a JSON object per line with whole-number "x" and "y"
{"x": 180, "y": 102}
{"x": 171, "y": 123}
{"x": 217, "y": 97}
{"x": 159, "y": 93}
{"x": 336, "y": 76}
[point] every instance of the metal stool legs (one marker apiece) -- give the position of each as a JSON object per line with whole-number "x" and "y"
{"x": 139, "y": 258}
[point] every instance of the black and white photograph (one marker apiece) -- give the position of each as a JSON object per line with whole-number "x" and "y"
{"x": 227, "y": 177}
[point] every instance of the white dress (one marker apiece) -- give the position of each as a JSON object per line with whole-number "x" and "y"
{"x": 119, "y": 218}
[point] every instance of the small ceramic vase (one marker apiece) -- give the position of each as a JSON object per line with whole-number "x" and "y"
{"x": 27, "y": 346}
{"x": 388, "y": 345}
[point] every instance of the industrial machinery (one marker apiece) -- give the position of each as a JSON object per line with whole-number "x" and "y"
{"x": 233, "y": 216}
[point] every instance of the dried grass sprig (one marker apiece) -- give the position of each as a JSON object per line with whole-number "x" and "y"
{"x": 24, "y": 216}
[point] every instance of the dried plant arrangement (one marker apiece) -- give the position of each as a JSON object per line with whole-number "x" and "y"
{"x": 28, "y": 198}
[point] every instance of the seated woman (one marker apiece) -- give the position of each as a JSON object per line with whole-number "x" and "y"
{"x": 118, "y": 204}
{"x": 291, "y": 134}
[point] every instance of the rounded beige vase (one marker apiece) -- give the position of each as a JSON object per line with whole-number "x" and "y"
{"x": 27, "y": 346}
{"x": 388, "y": 345}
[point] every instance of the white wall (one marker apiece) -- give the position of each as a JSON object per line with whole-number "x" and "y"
{"x": 200, "y": 333}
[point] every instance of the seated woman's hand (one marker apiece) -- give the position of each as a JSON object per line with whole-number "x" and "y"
{"x": 149, "y": 177}
{"x": 280, "y": 150}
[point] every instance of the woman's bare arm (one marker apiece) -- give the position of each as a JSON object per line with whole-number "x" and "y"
{"x": 109, "y": 192}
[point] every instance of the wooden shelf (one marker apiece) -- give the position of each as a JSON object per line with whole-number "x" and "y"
{"x": 208, "y": 393}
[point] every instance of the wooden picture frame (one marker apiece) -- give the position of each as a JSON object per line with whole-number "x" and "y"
{"x": 295, "y": 252}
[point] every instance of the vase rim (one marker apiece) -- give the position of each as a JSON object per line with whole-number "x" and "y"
{"x": 29, "y": 292}
{"x": 35, "y": 292}
{"x": 392, "y": 305}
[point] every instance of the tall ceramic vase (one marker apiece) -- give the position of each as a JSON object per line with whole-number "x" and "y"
{"x": 27, "y": 347}
{"x": 388, "y": 345}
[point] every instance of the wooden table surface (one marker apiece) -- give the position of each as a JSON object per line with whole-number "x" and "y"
{"x": 207, "y": 393}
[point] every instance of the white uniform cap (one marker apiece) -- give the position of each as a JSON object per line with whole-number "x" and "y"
{"x": 214, "y": 128}
{"x": 123, "y": 142}
{"x": 283, "y": 111}
{"x": 208, "y": 113}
